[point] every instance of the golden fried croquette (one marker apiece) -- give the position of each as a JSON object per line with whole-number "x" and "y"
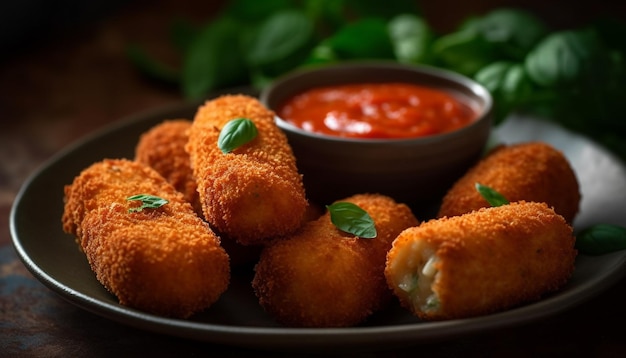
{"x": 255, "y": 192}
{"x": 324, "y": 277}
{"x": 532, "y": 171}
{"x": 481, "y": 262}
{"x": 162, "y": 147}
{"x": 165, "y": 260}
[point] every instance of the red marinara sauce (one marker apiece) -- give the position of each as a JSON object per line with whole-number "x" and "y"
{"x": 377, "y": 111}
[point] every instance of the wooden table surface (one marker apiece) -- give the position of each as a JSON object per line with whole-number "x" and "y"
{"x": 60, "y": 83}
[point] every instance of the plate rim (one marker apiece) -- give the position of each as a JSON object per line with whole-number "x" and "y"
{"x": 265, "y": 337}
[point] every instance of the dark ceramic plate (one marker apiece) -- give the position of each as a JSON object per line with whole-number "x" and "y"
{"x": 237, "y": 319}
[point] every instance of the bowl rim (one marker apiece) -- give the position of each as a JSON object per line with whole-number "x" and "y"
{"x": 486, "y": 115}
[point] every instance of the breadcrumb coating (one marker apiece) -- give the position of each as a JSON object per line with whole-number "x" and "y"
{"x": 162, "y": 148}
{"x": 324, "y": 277}
{"x": 532, "y": 171}
{"x": 164, "y": 261}
{"x": 254, "y": 193}
{"x": 481, "y": 262}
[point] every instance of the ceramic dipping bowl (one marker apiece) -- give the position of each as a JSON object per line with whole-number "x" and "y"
{"x": 416, "y": 171}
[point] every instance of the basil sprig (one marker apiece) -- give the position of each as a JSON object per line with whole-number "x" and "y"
{"x": 147, "y": 202}
{"x": 601, "y": 239}
{"x": 492, "y": 196}
{"x": 236, "y": 133}
{"x": 350, "y": 218}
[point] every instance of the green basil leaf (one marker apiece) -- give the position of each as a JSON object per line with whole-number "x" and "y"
{"x": 350, "y": 218}
{"x": 509, "y": 84}
{"x": 492, "y": 75}
{"x": 327, "y": 15}
{"x": 411, "y": 38}
{"x": 366, "y": 38}
{"x": 516, "y": 86}
{"x": 492, "y": 196}
{"x": 147, "y": 202}
{"x": 321, "y": 54}
{"x": 508, "y": 80}
{"x": 601, "y": 239}
{"x": 214, "y": 59}
{"x": 562, "y": 58}
{"x": 236, "y": 133}
{"x": 281, "y": 42}
{"x": 465, "y": 51}
{"x": 515, "y": 32}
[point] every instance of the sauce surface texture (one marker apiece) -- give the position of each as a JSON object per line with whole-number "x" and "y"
{"x": 377, "y": 111}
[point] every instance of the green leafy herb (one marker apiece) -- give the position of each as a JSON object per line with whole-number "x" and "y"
{"x": 601, "y": 239}
{"x": 411, "y": 38}
{"x": 213, "y": 59}
{"x": 147, "y": 202}
{"x": 493, "y": 197}
{"x": 509, "y": 85}
{"x": 236, "y": 133}
{"x": 562, "y": 58}
{"x": 350, "y": 218}
{"x": 281, "y": 43}
{"x": 365, "y": 38}
{"x": 575, "y": 77}
{"x": 465, "y": 51}
{"x": 513, "y": 32}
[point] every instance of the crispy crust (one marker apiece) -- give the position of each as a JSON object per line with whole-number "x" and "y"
{"x": 165, "y": 261}
{"x": 489, "y": 260}
{"x": 323, "y": 277}
{"x": 531, "y": 171}
{"x": 162, "y": 147}
{"x": 254, "y": 193}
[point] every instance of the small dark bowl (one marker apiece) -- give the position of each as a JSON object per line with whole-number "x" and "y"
{"x": 415, "y": 171}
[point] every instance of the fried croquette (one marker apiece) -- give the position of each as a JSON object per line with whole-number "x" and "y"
{"x": 162, "y": 147}
{"x": 163, "y": 260}
{"x": 255, "y": 192}
{"x": 324, "y": 277}
{"x": 532, "y": 171}
{"x": 482, "y": 262}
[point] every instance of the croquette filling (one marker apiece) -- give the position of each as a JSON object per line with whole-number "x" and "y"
{"x": 418, "y": 276}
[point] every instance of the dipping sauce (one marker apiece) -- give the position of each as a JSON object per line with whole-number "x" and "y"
{"x": 377, "y": 111}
